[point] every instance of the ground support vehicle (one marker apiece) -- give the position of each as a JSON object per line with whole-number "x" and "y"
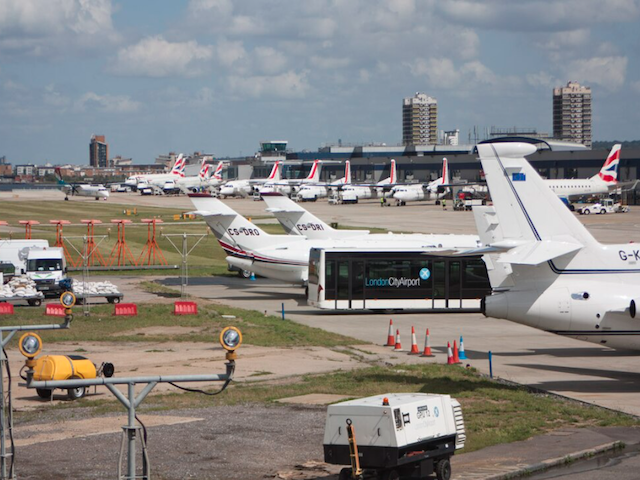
{"x": 394, "y": 435}
{"x": 32, "y": 300}
{"x": 606, "y": 206}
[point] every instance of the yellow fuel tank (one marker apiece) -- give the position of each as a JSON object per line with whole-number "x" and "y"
{"x": 62, "y": 367}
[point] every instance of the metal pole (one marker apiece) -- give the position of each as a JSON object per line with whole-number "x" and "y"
{"x": 131, "y": 431}
{"x": 184, "y": 267}
{"x": 3, "y": 447}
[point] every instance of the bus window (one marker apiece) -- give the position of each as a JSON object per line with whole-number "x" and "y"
{"x": 475, "y": 281}
{"x": 330, "y": 280}
{"x": 357, "y": 279}
{"x": 343, "y": 280}
{"x": 439, "y": 280}
{"x": 454, "y": 280}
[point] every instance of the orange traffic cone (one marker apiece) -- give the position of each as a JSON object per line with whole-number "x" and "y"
{"x": 391, "y": 341}
{"x": 427, "y": 346}
{"x": 449, "y": 354}
{"x": 456, "y": 359}
{"x": 414, "y": 345}
{"x": 398, "y": 345}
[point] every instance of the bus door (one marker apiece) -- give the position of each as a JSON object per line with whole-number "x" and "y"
{"x": 446, "y": 283}
{"x": 350, "y": 284}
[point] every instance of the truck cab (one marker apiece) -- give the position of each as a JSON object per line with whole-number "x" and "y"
{"x": 46, "y": 267}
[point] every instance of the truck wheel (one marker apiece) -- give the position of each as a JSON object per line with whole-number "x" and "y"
{"x": 443, "y": 469}
{"x": 586, "y": 211}
{"x": 390, "y": 475}
{"x": 603, "y": 211}
{"x": 345, "y": 474}
{"x": 36, "y": 302}
{"x": 44, "y": 393}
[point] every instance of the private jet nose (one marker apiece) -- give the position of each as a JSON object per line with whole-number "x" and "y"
{"x": 496, "y": 305}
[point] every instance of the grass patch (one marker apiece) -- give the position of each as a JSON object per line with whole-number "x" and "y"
{"x": 257, "y": 329}
{"x": 494, "y": 413}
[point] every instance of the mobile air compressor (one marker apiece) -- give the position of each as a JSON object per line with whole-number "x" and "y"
{"x": 411, "y": 435}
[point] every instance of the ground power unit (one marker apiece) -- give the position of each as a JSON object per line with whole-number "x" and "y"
{"x": 408, "y": 435}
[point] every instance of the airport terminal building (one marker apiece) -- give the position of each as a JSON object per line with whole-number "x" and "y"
{"x": 369, "y": 164}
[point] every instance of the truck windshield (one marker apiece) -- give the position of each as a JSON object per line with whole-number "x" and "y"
{"x": 44, "y": 265}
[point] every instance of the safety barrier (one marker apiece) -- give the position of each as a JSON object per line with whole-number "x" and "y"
{"x": 185, "y": 308}
{"x": 126, "y": 310}
{"x": 6, "y": 308}
{"x": 54, "y": 310}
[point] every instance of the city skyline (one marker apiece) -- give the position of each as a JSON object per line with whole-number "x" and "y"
{"x": 219, "y": 76}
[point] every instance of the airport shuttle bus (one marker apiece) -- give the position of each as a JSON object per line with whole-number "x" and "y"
{"x": 365, "y": 279}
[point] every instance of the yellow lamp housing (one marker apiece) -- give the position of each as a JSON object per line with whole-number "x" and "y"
{"x": 67, "y": 299}
{"x": 30, "y": 346}
{"x": 230, "y": 339}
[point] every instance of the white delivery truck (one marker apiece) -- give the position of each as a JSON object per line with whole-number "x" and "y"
{"x": 394, "y": 435}
{"x": 14, "y": 252}
{"x": 46, "y": 267}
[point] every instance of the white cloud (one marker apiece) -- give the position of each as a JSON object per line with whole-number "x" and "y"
{"x": 538, "y": 15}
{"x": 157, "y": 57}
{"x": 54, "y": 98}
{"x": 635, "y": 86}
{"x": 287, "y": 85}
{"x": 55, "y": 27}
{"x": 329, "y": 63}
{"x": 608, "y": 72}
{"x": 107, "y": 103}
{"x": 542, "y": 80}
{"x": 269, "y": 60}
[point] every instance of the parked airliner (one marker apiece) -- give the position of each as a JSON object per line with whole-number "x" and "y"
{"x": 601, "y": 183}
{"x": 242, "y": 188}
{"x": 147, "y": 179}
{"x": 355, "y": 192}
{"x": 415, "y": 192}
{"x": 288, "y": 186}
{"x": 310, "y": 193}
{"x": 546, "y": 269}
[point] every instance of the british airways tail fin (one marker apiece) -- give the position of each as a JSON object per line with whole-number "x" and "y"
{"x": 298, "y": 221}
{"x": 347, "y": 172}
{"x": 178, "y": 166}
{"x": 217, "y": 173}
{"x": 609, "y": 171}
{"x": 232, "y": 229}
{"x": 204, "y": 170}
{"x": 535, "y": 225}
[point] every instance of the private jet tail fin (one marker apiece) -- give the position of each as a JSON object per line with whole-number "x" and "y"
{"x": 535, "y": 225}
{"x": 231, "y": 228}
{"x": 609, "y": 171}
{"x": 298, "y": 221}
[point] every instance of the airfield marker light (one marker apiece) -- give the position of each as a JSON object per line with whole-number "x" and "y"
{"x": 230, "y": 339}
{"x": 67, "y": 299}
{"x": 30, "y": 345}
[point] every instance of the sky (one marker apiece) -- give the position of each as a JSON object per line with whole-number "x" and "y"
{"x": 219, "y": 76}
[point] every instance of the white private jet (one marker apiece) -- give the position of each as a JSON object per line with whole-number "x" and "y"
{"x": 603, "y": 182}
{"x": 546, "y": 269}
{"x": 435, "y": 189}
{"x": 242, "y": 188}
{"x": 158, "y": 179}
{"x": 81, "y": 189}
{"x": 298, "y": 221}
{"x": 355, "y": 192}
{"x": 310, "y": 193}
{"x": 289, "y": 186}
{"x": 286, "y": 257}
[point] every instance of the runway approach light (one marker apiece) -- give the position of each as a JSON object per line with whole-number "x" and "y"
{"x": 230, "y": 339}
{"x": 30, "y": 346}
{"x": 67, "y": 299}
